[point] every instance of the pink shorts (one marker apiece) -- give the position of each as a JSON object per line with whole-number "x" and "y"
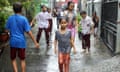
{"x": 73, "y": 32}
{"x": 72, "y": 29}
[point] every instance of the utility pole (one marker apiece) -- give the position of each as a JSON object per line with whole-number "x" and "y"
{"x": 54, "y": 3}
{"x": 79, "y": 5}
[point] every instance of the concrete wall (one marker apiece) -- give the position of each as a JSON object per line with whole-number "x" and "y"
{"x": 83, "y": 5}
{"x": 97, "y": 8}
{"x": 118, "y": 30}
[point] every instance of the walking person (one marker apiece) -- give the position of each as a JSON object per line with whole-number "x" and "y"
{"x": 43, "y": 24}
{"x": 87, "y": 29}
{"x": 55, "y": 15}
{"x": 54, "y": 12}
{"x": 17, "y": 25}
{"x": 72, "y": 18}
{"x": 59, "y": 15}
{"x": 65, "y": 42}
{"x": 96, "y": 22}
{"x": 79, "y": 26}
{"x": 50, "y": 21}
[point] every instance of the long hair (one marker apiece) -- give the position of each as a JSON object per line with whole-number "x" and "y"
{"x": 68, "y": 4}
{"x": 95, "y": 13}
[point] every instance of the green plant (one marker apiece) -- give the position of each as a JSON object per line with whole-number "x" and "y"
{"x": 2, "y": 22}
{"x": 29, "y": 8}
{"x": 5, "y": 12}
{"x": 4, "y": 3}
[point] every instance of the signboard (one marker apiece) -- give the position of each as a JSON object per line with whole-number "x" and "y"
{"x": 75, "y": 1}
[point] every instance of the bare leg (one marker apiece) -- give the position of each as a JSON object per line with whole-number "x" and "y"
{"x": 23, "y": 65}
{"x": 61, "y": 67}
{"x": 60, "y": 62}
{"x": 14, "y": 63}
{"x": 67, "y": 67}
{"x": 67, "y": 63}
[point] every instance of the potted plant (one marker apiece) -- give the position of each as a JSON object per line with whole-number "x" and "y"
{"x": 3, "y": 34}
{"x": 5, "y": 12}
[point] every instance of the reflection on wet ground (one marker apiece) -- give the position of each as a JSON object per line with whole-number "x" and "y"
{"x": 38, "y": 60}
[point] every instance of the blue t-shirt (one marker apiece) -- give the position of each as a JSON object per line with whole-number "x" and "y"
{"x": 17, "y": 25}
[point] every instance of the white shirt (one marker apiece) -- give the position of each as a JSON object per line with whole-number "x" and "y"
{"x": 42, "y": 19}
{"x": 86, "y": 25}
{"x": 61, "y": 13}
{"x": 49, "y": 16}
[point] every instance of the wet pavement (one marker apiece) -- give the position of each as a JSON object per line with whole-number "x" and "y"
{"x": 38, "y": 60}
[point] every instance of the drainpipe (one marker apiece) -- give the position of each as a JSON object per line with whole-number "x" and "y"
{"x": 92, "y": 6}
{"x": 79, "y": 5}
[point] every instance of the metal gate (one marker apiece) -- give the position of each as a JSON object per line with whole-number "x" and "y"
{"x": 108, "y": 23}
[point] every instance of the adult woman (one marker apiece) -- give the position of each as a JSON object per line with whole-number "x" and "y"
{"x": 96, "y": 22}
{"x": 72, "y": 19}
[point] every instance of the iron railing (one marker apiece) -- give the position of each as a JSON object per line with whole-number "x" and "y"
{"x": 109, "y": 23}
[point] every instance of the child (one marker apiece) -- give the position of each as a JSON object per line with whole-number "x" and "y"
{"x": 65, "y": 43}
{"x": 17, "y": 25}
{"x": 43, "y": 24}
{"x": 79, "y": 26}
{"x": 87, "y": 29}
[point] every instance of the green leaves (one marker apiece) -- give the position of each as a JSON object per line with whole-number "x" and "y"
{"x": 4, "y": 3}
{"x": 5, "y": 12}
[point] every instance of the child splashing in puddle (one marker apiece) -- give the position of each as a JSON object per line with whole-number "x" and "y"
{"x": 65, "y": 42}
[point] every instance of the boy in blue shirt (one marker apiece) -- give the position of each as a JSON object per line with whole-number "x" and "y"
{"x": 17, "y": 25}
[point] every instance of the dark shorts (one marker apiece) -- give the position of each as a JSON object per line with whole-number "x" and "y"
{"x": 85, "y": 41}
{"x": 17, "y": 51}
